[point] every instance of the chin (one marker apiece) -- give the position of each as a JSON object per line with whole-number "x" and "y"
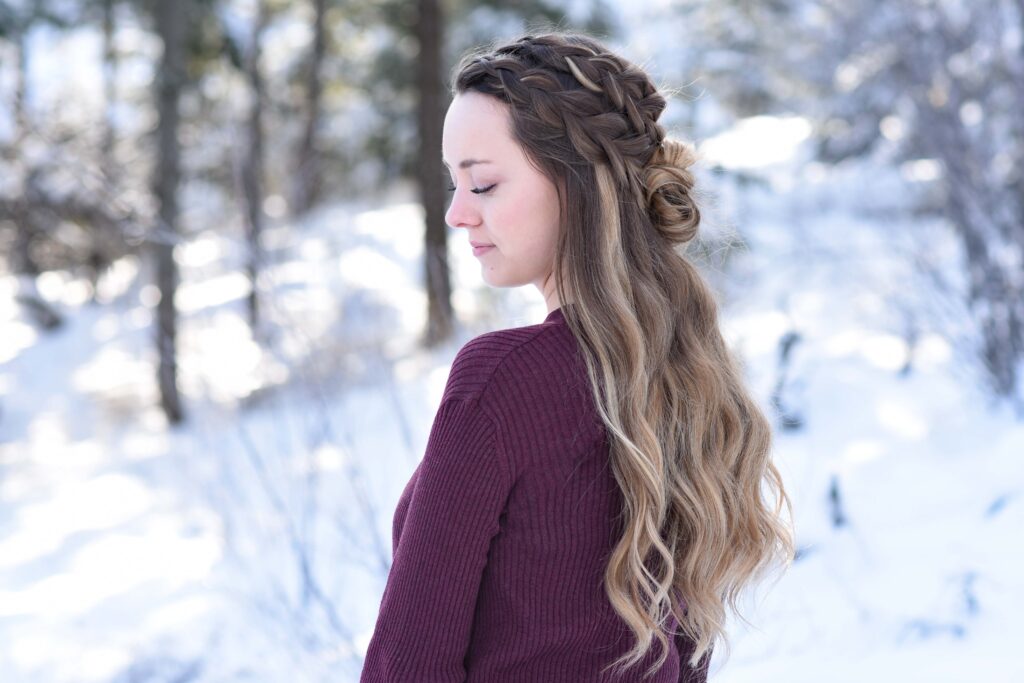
{"x": 496, "y": 279}
{"x": 493, "y": 281}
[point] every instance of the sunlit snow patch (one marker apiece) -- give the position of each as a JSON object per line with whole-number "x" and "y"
{"x": 756, "y": 141}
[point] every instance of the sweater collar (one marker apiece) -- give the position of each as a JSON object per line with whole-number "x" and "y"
{"x": 556, "y": 314}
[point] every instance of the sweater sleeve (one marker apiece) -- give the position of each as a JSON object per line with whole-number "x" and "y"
{"x": 423, "y": 628}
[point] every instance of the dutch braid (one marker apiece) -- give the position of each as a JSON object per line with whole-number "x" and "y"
{"x": 609, "y": 109}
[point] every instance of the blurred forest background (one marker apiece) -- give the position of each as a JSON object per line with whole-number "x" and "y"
{"x": 228, "y": 301}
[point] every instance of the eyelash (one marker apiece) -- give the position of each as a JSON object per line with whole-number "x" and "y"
{"x": 482, "y": 190}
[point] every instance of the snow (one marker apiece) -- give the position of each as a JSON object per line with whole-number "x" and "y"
{"x": 255, "y": 541}
{"x": 756, "y": 142}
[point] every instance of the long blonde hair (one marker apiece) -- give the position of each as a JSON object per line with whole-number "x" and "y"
{"x": 689, "y": 446}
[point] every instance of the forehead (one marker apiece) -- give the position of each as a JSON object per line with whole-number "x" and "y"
{"x": 476, "y": 125}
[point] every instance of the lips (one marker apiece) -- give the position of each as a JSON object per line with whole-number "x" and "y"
{"x": 481, "y": 248}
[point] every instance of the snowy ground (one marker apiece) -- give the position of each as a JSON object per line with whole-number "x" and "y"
{"x": 253, "y": 543}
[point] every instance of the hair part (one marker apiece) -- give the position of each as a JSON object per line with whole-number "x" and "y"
{"x": 689, "y": 446}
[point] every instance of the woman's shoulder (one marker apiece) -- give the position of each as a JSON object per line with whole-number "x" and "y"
{"x": 510, "y": 355}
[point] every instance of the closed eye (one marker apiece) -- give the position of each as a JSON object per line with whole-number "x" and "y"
{"x": 475, "y": 190}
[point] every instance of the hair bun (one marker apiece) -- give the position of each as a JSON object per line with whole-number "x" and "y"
{"x": 668, "y": 182}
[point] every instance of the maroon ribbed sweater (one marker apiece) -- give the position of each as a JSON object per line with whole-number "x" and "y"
{"x": 502, "y": 535}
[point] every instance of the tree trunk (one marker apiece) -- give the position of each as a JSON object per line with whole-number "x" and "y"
{"x": 252, "y": 167}
{"x": 983, "y": 214}
{"x": 24, "y": 264}
{"x": 170, "y": 23}
{"x": 109, "y": 92}
{"x": 429, "y": 31}
{"x": 306, "y": 187}
{"x": 98, "y": 258}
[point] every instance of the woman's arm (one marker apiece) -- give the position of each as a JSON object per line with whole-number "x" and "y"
{"x": 423, "y": 628}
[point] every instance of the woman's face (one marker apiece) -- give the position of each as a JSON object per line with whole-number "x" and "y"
{"x": 499, "y": 198}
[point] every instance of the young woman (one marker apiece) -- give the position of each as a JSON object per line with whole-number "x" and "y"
{"x": 595, "y": 482}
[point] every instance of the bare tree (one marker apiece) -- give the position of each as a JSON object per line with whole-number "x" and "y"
{"x": 958, "y": 90}
{"x": 170, "y": 26}
{"x": 27, "y": 226}
{"x": 930, "y": 81}
{"x": 970, "y": 121}
{"x": 430, "y": 35}
{"x": 307, "y": 179}
{"x": 252, "y": 167}
{"x": 109, "y": 91}
{"x": 98, "y": 257}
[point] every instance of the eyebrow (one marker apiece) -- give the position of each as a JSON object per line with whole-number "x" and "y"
{"x": 466, "y": 163}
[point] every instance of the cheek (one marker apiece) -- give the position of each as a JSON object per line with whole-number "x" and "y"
{"x": 546, "y": 217}
{"x": 534, "y": 214}
{"x": 508, "y": 220}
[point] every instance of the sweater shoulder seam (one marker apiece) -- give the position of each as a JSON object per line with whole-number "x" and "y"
{"x": 517, "y": 346}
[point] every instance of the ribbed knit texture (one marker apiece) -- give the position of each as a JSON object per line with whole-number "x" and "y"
{"x": 503, "y": 532}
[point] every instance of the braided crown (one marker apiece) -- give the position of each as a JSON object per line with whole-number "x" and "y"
{"x": 575, "y": 88}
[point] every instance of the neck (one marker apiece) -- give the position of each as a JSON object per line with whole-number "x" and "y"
{"x": 549, "y": 292}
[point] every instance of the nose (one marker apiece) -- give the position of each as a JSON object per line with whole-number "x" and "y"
{"x": 461, "y": 212}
